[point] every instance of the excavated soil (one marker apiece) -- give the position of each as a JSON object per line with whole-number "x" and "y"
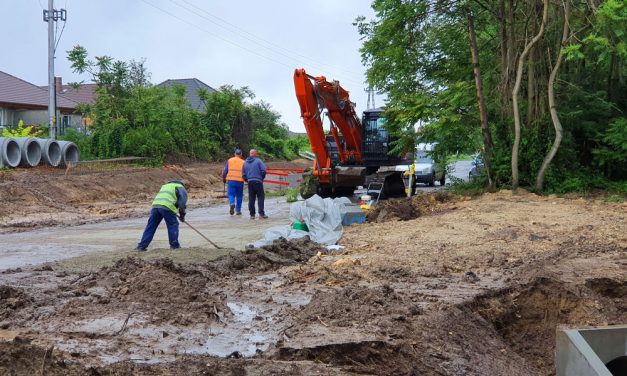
{"x": 410, "y": 208}
{"x": 466, "y": 287}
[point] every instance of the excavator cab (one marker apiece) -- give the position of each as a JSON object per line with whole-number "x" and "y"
{"x": 376, "y": 139}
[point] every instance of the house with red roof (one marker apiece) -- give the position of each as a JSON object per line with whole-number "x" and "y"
{"x": 22, "y": 100}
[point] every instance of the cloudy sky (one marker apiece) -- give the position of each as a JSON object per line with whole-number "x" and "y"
{"x": 238, "y": 42}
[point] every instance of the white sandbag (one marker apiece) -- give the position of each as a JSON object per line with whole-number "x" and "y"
{"x": 322, "y": 216}
{"x": 276, "y": 232}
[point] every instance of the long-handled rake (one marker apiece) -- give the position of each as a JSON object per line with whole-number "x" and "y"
{"x": 206, "y": 238}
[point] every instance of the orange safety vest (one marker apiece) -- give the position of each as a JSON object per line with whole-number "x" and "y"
{"x": 236, "y": 164}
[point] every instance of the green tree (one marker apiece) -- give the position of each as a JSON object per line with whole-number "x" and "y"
{"x": 418, "y": 53}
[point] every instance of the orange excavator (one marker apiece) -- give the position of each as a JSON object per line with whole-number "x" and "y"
{"x": 352, "y": 153}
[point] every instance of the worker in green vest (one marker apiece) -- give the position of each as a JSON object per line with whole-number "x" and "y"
{"x": 169, "y": 202}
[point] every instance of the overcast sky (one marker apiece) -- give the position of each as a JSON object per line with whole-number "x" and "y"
{"x": 238, "y": 42}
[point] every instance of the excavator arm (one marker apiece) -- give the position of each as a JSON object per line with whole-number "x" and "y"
{"x": 314, "y": 95}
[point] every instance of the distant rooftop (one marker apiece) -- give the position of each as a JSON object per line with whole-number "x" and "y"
{"x": 17, "y": 92}
{"x": 84, "y": 93}
{"x": 192, "y": 85}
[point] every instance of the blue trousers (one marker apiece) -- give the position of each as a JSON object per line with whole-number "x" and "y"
{"x": 255, "y": 192}
{"x": 156, "y": 215}
{"x": 235, "y": 191}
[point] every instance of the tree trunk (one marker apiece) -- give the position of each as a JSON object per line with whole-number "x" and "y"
{"x": 504, "y": 68}
{"x": 519, "y": 72}
{"x": 551, "y": 94}
{"x": 485, "y": 128}
{"x": 511, "y": 49}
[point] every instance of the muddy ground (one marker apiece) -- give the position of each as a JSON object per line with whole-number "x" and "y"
{"x": 466, "y": 287}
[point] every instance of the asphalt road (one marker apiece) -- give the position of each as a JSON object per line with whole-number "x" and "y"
{"x": 459, "y": 170}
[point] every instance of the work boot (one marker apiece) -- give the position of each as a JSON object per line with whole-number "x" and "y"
{"x": 232, "y": 209}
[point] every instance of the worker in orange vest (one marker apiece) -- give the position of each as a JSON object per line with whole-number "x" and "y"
{"x": 232, "y": 176}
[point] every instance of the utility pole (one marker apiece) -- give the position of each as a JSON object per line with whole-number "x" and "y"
{"x": 370, "y": 104}
{"x": 51, "y": 16}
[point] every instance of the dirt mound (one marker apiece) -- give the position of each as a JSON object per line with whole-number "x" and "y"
{"x": 299, "y": 250}
{"x": 11, "y": 300}
{"x": 448, "y": 342}
{"x": 280, "y": 253}
{"x": 19, "y": 357}
{"x": 409, "y": 208}
{"x": 160, "y": 281}
{"x": 168, "y": 291}
{"x": 339, "y": 308}
{"x": 527, "y": 316}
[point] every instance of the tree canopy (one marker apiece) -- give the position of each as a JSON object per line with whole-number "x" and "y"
{"x": 132, "y": 117}
{"x": 420, "y": 54}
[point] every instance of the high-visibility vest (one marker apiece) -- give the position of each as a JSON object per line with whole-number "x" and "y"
{"x": 167, "y": 196}
{"x": 236, "y": 164}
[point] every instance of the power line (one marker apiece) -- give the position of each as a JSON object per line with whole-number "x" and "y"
{"x": 217, "y": 36}
{"x": 225, "y": 39}
{"x": 257, "y": 39}
{"x": 298, "y": 61}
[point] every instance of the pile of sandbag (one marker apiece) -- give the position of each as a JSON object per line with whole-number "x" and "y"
{"x": 322, "y": 216}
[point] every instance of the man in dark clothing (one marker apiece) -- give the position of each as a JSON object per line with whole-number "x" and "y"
{"x": 170, "y": 201}
{"x": 254, "y": 172}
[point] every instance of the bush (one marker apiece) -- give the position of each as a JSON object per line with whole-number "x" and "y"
{"x": 82, "y": 141}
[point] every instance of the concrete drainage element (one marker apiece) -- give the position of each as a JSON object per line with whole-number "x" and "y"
{"x": 69, "y": 152}
{"x": 592, "y": 352}
{"x": 50, "y": 151}
{"x": 10, "y": 155}
{"x": 31, "y": 151}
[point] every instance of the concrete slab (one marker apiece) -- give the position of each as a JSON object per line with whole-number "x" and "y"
{"x": 585, "y": 352}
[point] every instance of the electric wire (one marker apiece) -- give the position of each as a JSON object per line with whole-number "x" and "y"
{"x": 296, "y": 60}
{"x": 259, "y": 40}
{"x": 235, "y": 43}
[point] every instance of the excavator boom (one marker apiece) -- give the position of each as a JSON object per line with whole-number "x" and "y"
{"x": 314, "y": 95}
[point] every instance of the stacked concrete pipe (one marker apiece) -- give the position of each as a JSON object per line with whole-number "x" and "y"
{"x": 10, "y": 155}
{"x": 50, "y": 151}
{"x": 69, "y": 152}
{"x": 31, "y": 151}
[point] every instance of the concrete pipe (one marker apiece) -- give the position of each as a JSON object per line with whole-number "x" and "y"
{"x": 50, "y": 151}
{"x": 10, "y": 155}
{"x": 69, "y": 152}
{"x": 31, "y": 151}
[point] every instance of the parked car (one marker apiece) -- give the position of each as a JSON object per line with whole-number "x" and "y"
{"x": 428, "y": 171}
{"x": 477, "y": 169}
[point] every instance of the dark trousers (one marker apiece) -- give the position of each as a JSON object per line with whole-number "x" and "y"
{"x": 255, "y": 192}
{"x": 235, "y": 192}
{"x": 156, "y": 215}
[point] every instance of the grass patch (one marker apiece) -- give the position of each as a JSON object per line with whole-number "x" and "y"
{"x": 291, "y": 194}
{"x": 473, "y": 188}
{"x": 460, "y": 157}
{"x": 614, "y": 198}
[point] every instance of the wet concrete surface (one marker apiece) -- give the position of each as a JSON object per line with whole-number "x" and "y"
{"x": 54, "y": 244}
{"x": 59, "y": 243}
